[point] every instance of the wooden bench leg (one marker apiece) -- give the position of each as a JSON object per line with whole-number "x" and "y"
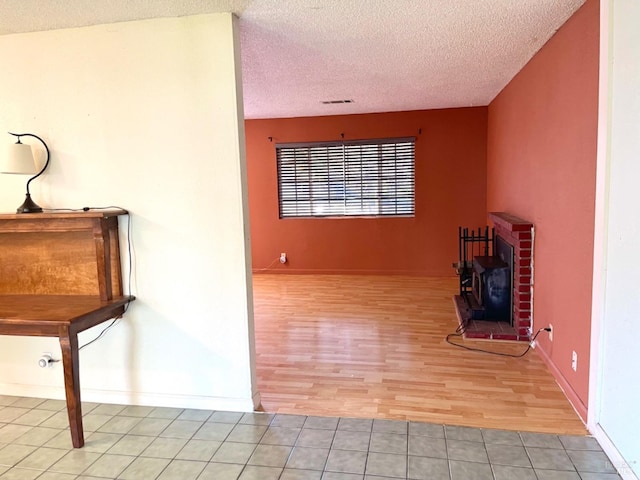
{"x": 71, "y": 366}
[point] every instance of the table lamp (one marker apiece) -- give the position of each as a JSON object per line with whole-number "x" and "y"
{"x": 20, "y": 161}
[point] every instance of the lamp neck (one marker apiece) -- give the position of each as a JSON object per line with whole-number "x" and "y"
{"x": 46, "y": 164}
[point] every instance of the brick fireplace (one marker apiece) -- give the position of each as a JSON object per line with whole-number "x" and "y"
{"x": 518, "y": 234}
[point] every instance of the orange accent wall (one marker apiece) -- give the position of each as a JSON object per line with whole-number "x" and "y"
{"x": 450, "y": 191}
{"x": 541, "y": 166}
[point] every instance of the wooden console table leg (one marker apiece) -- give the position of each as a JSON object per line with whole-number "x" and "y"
{"x": 71, "y": 366}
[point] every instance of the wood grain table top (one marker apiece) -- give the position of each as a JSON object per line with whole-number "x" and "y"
{"x": 48, "y": 312}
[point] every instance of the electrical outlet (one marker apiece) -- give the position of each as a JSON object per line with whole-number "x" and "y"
{"x": 283, "y": 257}
{"x": 574, "y": 361}
{"x": 550, "y": 332}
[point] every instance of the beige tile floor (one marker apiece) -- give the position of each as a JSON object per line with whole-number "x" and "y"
{"x": 147, "y": 443}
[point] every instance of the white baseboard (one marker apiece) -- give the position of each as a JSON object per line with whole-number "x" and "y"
{"x": 619, "y": 463}
{"x": 34, "y": 391}
{"x": 137, "y": 398}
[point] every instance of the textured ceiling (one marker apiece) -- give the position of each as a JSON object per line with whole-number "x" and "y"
{"x": 385, "y": 55}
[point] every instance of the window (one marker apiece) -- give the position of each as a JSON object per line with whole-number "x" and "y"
{"x": 350, "y": 178}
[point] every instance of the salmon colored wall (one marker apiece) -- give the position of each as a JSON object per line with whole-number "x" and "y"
{"x": 541, "y": 166}
{"x": 450, "y": 191}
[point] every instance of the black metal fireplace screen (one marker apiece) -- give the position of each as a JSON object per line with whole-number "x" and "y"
{"x": 485, "y": 268}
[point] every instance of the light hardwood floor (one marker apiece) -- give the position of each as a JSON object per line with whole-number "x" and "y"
{"x": 374, "y": 346}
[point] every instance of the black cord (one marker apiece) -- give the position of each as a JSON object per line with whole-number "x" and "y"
{"x": 115, "y": 320}
{"x": 86, "y": 209}
{"x": 83, "y": 209}
{"x": 448, "y": 340}
{"x": 129, "y": 254}
{"x": 63, "y": 209}
{"x": 268, "y": 267}
{"x": 130, "y": 262}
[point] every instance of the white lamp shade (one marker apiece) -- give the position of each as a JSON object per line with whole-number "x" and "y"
{"x": 19, "y": 159}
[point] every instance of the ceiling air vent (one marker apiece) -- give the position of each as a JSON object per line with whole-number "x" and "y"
{"x": 332, "y": 102}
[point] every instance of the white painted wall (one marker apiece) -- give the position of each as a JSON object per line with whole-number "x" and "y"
{"x": 148, "y": 116}
{"x": 615, "y": 381}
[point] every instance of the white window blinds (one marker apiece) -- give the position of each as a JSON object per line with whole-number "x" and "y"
{"x": 350, "y": 178}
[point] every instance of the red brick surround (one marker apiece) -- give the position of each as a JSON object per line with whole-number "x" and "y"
{"x": 519, "y": 233}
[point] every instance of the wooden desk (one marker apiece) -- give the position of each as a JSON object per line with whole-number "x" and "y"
{"x": 59, "y": 275}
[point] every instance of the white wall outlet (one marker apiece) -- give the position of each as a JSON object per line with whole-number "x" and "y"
{"x": 574, "y": 361}
{"x": 283, "y": 257}
{"x": 550, "y": 332}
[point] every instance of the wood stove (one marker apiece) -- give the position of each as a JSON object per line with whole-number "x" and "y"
{"x": 491, "y": 288}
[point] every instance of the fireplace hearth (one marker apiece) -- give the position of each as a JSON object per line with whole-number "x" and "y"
{"x": 495, "y": 268}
